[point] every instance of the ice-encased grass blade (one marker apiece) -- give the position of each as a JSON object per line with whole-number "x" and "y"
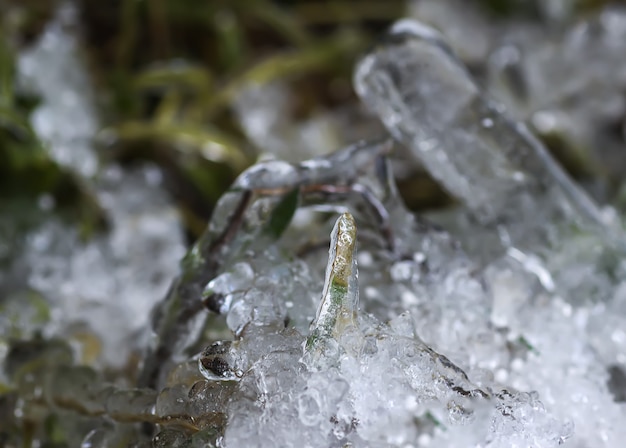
{"x": 337, "y": 313}
{"x": 178, "y": 319}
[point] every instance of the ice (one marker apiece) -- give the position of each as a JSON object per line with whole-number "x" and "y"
{"x": 98, "y": 291}
{"x": 365, "y": 382}
{"x": 501, "y": 326}
{"x": 54, "y": 70}
{"x": 587, "y": 60}
{"x": 598, "y": 41}
{"x": 217, "y": 363}
{"x": 241, "y": 230}
{"x": 107, "y": 280}
{"x": 428, "y": 101}
{"x": 426, "y": 346}
{"x": 361, "y": 381}
{"x": 410, "y": 82}
{"x": 501, "y": 172}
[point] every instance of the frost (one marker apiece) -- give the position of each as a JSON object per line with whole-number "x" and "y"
{"x": 100, "y": 292}
{"x": 67, "y": 118}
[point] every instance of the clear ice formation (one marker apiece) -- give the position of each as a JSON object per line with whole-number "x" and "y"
{"x": 502, "y": 173}
{"x": 519, "y": 199}
{"x": 565, "y": 80}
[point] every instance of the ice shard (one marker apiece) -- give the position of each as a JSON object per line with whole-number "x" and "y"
{"x": 429, "y": 102}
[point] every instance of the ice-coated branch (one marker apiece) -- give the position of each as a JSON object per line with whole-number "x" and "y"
{"x": 176, "y": 321}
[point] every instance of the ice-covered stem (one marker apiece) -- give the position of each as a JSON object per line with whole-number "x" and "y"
{"x": 176, "y": 321}
{"x": 337, "y": 313}
{"x": 178, "y": 318}
{"x": 429, "y": 102}
{"x": 237, "y": 221}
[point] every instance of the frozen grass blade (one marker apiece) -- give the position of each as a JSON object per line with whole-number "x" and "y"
{"x": 337, "y": 313}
